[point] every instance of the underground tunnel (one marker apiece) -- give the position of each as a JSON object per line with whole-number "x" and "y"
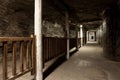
{"x": 38, "y": 35}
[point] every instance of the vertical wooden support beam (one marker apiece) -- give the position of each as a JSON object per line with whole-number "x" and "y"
{"x": 81, "y": 34}
{"x": 27, "y": 55}
{"x": 5, "y": 51}
{"x": 77, "y": 45}
{"x": 14, "y": 59}
{"x": 33, "y": 55}
{"x": 87, "y": 36}
{"x": 38, "y": 33}
{"x": 67, "y": 33}
{"x": 21, "y": 56}
{"x": 78, "y": 37}
{"x": 43, "y": 51}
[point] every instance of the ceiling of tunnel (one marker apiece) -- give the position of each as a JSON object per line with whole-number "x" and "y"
{"x": 21, "y": 10}
{"x": 81, "y": 11}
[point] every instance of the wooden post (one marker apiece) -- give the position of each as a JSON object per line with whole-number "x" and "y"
{"x": 27, "y": 55}
{"x": 38, "y": 34}
{"x": 21, "y": 57}
{"x": 77, "y": 47}
{"x": 14, "y": 59}
{"x": 33, "y": 55}
{"x": 81, "y": 33}
{"x": 79, "y": 37}
{"x": 67, "y": 33}
{"x": 5, "y": 52}
{"x": 87, "y": 36}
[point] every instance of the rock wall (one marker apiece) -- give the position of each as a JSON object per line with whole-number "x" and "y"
{"x": 51, "y": 29}
{"x": 55, "y": 29}
{"x": 72, "y": 31}
{"x": 100, "y": 35}
{"x": 15, "y": 18}
{"x": 111, "y": 27}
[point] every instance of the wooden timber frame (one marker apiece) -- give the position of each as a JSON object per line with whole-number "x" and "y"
{"x": 26, "y": 56}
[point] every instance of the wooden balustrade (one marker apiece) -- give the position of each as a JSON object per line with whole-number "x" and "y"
{"x": 79, "y": 42}
{"x": 84, "y": 40}
{"x": 24, "y": 48}
{"x": 53, "y": 47}
{"x": 23, "y": 55}
{"x": 73, "y": 43}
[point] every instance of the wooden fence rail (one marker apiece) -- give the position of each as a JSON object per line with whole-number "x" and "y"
{"x": 73, "y": 42}
{"x": 53, "y": 47}
{"x": 23, "y": 55}
{"x": 22, "y": 50}
{"x": 79, "y": 42}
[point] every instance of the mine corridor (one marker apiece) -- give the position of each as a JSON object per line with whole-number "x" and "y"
{"x": 59, "y": 39}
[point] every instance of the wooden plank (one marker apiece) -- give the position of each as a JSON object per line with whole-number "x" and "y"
{"x": 67, "y": 34}
{"x": 33, "y": 56}
{"x": 5, "y": 51}
{"x": 27, "y": 55}
{"x": 77, "y": 44}
{"x": 53, "y": 48}
{"x": 38, "y": 34}
{"x": 14, "y": 59}
{"x": 44, "y": 51}
{"x": 4, "y": 39}
{"x": 49, "y": 48}
{"x": 21, "y": 57}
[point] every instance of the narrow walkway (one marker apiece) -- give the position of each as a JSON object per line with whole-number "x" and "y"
{"x": 87, "y": 64}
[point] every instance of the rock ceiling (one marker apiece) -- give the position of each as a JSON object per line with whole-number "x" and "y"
{"x": 81, "y": 11}
{"x": 54, "y": 10}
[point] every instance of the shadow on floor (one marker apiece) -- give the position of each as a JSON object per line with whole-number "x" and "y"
{"x": 56, "y": 64}
{"x": 51, "y": 68}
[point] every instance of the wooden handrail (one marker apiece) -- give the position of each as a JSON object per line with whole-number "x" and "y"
{"x": 52, "y": 47}
{"x": 4, "y": 39}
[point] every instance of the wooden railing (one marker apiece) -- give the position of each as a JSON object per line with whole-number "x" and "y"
{"x": 84, "y": 40}
{"x": 22, "y": 50}
{"x": 73, "y": 42}
{"x": 53, "y": 47}
{"x": 79, "y": 42}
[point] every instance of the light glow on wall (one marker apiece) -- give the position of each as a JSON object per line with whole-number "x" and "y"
{"x": 81, "y": 31}
{"x": 81, "y": 26}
